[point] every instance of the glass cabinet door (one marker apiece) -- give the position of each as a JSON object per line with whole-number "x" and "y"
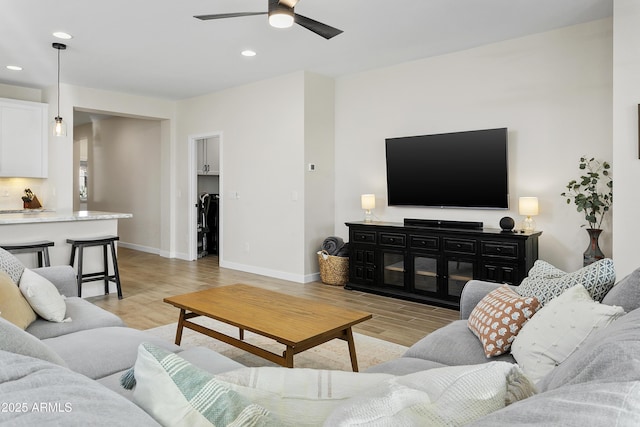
{"x": 425, "y": 273}
{"x": 459, "y": 272}
{"x": 393, "y": 266}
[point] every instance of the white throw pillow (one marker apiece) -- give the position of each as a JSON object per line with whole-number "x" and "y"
{"x": 43, "y": 296}
{"x": 557, "y": 330}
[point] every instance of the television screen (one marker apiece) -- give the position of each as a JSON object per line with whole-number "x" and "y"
{"x": 461, "y": 169}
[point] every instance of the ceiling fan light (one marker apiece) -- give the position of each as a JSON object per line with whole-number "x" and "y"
{"x": 281, "y": 18}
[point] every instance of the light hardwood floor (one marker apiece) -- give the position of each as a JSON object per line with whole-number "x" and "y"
{"x": 147, "y": 279}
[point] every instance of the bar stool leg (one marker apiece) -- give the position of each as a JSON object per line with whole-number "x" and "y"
{"x": 45, "y": 252}
{"x": 80, "y": 250}
{"x": 115, "y": 269}
{"x": 73, "y": 256}
{"x": 105, "y": 260}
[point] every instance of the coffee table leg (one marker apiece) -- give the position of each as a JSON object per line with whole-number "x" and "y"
{"x": 352, "y": 349}
{"x": 288, "y": 357}
{"x": 180, "y": 326}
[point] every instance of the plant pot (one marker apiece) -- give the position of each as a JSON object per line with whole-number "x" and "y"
{"x": 593, "y": 252}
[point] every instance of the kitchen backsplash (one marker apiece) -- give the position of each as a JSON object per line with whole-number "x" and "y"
{"x": 12, "y": 190}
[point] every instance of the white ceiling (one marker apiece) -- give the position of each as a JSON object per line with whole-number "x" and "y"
{"x": 156, "y": 48}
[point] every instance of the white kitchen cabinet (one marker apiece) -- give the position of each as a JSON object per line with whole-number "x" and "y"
{"x": 209, "y": 156}
{"x": 23, "y": 139}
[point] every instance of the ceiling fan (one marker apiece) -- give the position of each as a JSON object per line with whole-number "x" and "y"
{"x": 281, "y": 15}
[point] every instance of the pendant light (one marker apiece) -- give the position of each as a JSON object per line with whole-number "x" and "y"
{"x": 59, "y": 126}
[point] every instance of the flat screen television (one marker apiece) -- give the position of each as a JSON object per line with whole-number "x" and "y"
{"x": 449, "y": 170}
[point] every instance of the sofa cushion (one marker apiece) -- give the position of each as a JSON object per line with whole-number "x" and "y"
{"x": 499, "y": 317}
{"x": 43, "y": 296}
{"x": 403, "y": 366}
{"x": 453, "y": 344}
{"x": 63, "y": 276}
{"x": 599, "y": 404}
{"x": 15, "y": 340}
{"x": 99, "y": 352}
{"x": 13, "y": 306}
{"x": 558, "y": 329}
{"x": 45, "y": 394}
{"x": 85, "y": 315}
{"x": 11, "y": 265}
{"x": 625, "y": 293}
{"x": 543, "y": 280}
{"x": 610, "y": 354}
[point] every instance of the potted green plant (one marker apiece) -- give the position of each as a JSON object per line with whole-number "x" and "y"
{"x": 592, "y": 194}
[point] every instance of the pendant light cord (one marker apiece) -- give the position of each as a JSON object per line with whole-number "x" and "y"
{"x": 58, "y": 82}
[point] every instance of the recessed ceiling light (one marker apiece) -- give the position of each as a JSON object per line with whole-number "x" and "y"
{"x": 248, "y": 53}
{"x": 14, "y": 68}
{"x": 62, "y": 35}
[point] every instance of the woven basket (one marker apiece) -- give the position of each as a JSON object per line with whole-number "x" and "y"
{"x": 334, "y": 270}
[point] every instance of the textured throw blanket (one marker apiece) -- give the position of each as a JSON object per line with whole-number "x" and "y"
{"x": 332, "y": 245}
{"x": 451, "y": 396}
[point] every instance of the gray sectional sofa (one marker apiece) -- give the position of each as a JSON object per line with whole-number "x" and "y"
{"x": 68, "y": 373}
{"x": 597, "y": 385}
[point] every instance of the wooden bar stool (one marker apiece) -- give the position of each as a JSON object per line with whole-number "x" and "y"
{"x": 41, "y": 247}
{"x": 105, "y": 242}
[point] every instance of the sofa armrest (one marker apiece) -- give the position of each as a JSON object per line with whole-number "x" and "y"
{"x": 472, "y": 293}
{"x": 62, "y": 276}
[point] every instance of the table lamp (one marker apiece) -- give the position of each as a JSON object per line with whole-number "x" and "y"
{"x": 528, "y": 206}
{"x": 368, "y": 202}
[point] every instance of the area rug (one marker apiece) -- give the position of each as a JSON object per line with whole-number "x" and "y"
{"x": 330, "y": 355}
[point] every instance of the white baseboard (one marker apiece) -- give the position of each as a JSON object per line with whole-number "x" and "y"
{"x": 298, "y": 278}
{"x": 140, "y": 248}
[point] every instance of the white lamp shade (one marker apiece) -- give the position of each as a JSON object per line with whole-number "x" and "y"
{"x": 368, "y": 201}
{"x": 528, "y": 206}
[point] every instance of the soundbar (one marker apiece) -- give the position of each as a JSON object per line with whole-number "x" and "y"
{"x": 439, "y": 223}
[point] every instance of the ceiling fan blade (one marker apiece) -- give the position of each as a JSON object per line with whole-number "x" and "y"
{"x": 289, "y": 3}
{"x": 319, "y": 28}
{"x": 228, "y": 15}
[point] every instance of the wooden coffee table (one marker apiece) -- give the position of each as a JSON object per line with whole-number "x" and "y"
{"x": 298, "y": 323}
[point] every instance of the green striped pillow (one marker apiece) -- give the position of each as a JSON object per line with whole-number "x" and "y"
{"x": 176, "y": 393}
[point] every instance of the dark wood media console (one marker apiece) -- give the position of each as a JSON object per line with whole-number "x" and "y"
{"x": 424, "y": 262}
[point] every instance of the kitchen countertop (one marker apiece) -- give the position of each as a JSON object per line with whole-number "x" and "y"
{"x": 38, "y": 216}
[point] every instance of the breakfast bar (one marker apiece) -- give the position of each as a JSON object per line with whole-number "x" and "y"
{"x": 20, "y": 226}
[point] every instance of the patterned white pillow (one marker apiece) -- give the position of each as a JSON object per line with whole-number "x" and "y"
{"x": 11, "y": 265}
{"x": 557, "y": 330}
{"x": 546, "y": 282}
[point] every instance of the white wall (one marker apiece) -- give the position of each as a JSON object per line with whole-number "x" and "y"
{"x": 319, "y": 194}
{"x": 124, "y": 173}
{"x": 626, "y": 166}
{"x": 262, "y": 148}
{"x": 553, "y": 92}
{"x": 61, "y": 170}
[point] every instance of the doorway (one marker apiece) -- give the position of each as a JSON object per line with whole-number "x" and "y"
{"x": 205, "y": 190}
